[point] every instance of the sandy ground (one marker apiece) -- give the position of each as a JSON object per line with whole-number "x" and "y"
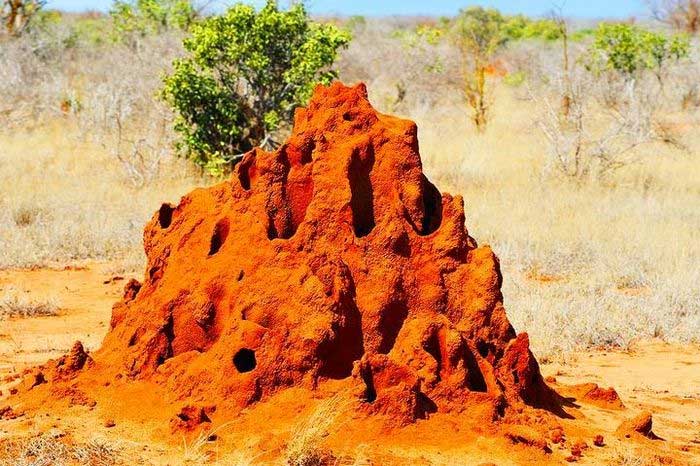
{"x": 651, "y": 376}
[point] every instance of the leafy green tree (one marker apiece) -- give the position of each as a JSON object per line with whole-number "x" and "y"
{"x": 479, "y": 33}
{"x": 138, "y": 18}
{"x": 245, "y": 73}
{"x": 630, "y": 50}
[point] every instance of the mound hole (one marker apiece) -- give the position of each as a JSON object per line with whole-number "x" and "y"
{"x": 432, "y": 346}
{"x": 165, "y": 215}
{"x": 432, "y": 204}
{"x": 244, "y": 360}
{"x": 219, "y": 236}
{"x": 244, "y": 168}
{"x": 370, "y": 392}
{"x": 390, "y": 324}
{"x": 475, "y": 379}
{"x": 244, "y": 178}
{"x": 483, "y": 348}
{"x": 361, "y": 193}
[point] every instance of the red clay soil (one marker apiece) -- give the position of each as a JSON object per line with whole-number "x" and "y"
{"x": 332, "y": 258}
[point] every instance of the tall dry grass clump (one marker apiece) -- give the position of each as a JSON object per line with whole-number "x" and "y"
{"x": 14, "y": 303}
{"x": 305, "y": 446}
{"x": 48, "y": 450}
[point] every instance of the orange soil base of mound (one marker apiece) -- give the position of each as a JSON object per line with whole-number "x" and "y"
{"x": 652, "y": 377}
{"x": 330, "y": 267}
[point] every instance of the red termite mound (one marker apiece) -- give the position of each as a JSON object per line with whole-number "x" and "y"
{"x": 333, "y": 257}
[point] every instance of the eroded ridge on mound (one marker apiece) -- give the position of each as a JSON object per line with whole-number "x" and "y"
{"x": 333, "y": 257}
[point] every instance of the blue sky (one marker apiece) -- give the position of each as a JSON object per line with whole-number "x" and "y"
{"x": 572, "y": 8}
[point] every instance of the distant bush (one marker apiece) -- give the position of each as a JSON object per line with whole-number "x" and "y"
{"x": 521, "y": 27}
{"x": 629, "y": 50}
{"x": 479, "y": 34}
{"x": 624, "y": 68}
{"x": 246, "y": 72}
{"x": 139, "y": 18}
{"x": 90, "y": 31}
{"x": 356, "y": 23}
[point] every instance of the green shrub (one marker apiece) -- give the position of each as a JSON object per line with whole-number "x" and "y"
{"x": 90, "y": 31}
{"x": 628, "y": 49}
{"x": 582, "y": 34}
{"x": 138, "y": 18}
{"x": 515, "y": 79}
{"x": 521, "y": 27}
{"x": 356, "y": 23}
{"x": 245, "y": 73}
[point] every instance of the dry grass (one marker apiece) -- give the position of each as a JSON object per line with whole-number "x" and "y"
{"x": 48, "y": 450}
{"x": 14, "y": 303}
{"x": 628, "y": 456}
{"x": 305, "y": 447}
{"x": 68, "y": 200}
{"x": 203, "y": 449}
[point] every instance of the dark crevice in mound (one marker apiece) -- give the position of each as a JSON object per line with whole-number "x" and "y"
{"x": 134, "y": 338}
{"x": 165, "y": 215}
{"x": 219, "y": 236}
{"x": 391, "y": 320}
{"x": 169, "y": 332}
{"x": 483, "y": 348}
{"x": 339, "y": 352}
{"x": 244, "y": 360}
{"x": 337, "y": 355}
{"x": 362, "y": 193}
{"x": 244, "y": 168}
{"x": 272, "y": 231}
{"x": 432, "y": 205}
{"x": 370, "y": 392}
{"x": 424, "y": 406}
{"x": 307, "y": 151}
{"x": 475, "y": 379}
{"x": 432, "y": 346}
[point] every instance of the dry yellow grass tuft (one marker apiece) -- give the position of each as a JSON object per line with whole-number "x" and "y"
{"x": 14, "y": 303}
{"x": 305, "y": 447}
{"x": 54, "y": 450}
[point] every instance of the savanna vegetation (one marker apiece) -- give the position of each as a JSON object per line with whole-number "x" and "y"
{"x": 575, "y": 145}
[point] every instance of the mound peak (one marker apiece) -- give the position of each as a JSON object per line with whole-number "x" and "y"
{"x": 331, "y": 258}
